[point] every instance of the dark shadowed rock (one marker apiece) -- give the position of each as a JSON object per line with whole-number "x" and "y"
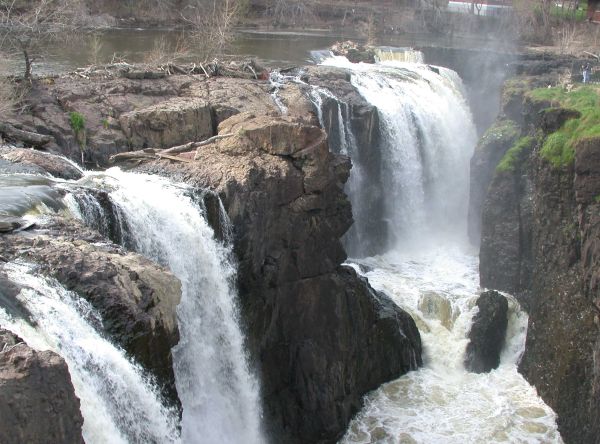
{"x": 488, "y": 333}
{"x": 38, "y": 404}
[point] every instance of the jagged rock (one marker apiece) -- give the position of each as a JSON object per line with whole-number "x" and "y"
{"x": 37, "y": 399}
{"x": 135, "y": 298}
{"x": 40, "y": 162}
{"x": 488, "y": 333}
{"x": 321, "y": 336}
{"x": 553, "y": 118}
{"x": 169, "y": 123}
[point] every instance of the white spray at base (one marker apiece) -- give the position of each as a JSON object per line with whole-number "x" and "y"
{"x": 427, "y": 138}
{"x": 119, "y": 403}
{"x": 219, "y": 395}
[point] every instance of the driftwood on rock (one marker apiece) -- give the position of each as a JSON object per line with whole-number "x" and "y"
{"x": 168, "y": 153}
{"x": 27, "y": 137}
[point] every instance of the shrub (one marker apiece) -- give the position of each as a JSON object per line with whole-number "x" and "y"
{"x": 77, "y": 121}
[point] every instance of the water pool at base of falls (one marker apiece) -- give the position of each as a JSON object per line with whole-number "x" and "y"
{"x": 442, "y": 402}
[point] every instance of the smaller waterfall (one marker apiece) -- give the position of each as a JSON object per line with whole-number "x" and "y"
{"x": 392, "y": 54}
{"x": 219, "y": 395}
{"x": 119, "y": 403}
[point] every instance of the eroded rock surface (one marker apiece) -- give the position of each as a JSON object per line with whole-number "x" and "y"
{"x": 37, "y": 399}
{"x": 135, "y": 298}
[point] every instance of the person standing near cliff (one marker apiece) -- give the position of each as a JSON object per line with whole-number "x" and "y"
{"x": 587, "y": 71}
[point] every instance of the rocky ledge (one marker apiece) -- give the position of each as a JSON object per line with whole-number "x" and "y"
{"x": 37, "y": 399}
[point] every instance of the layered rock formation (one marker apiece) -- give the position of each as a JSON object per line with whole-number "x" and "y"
{"x": 37, "y": 399}
{"x": 540, "y": 242}
{"x": 135, "y": 298}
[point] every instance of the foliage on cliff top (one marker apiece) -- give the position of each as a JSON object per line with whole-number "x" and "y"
{"x": 559, "y": 147}
{"x": 514, "y": 156}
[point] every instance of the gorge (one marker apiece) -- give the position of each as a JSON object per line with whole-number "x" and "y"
{"x": 257, "y": 288}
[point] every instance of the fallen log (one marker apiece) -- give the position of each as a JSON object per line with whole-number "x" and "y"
{"x": 194, "y": 145}
{"x": 26, "y": 137}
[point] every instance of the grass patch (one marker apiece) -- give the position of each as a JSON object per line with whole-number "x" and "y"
{"x": 513, "y": 156}
{"x": 559, "y": 147}
{"x": 77, "y": 121}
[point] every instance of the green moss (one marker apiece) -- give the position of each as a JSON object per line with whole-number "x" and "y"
{"x": 559, "y": 147}
{"x": 501, "y": 130}
{"x": 513, "y": 156}
{"x": 514, "y": 88}
{"x": 597, "y": 198}
{"x": 77, "y": 121}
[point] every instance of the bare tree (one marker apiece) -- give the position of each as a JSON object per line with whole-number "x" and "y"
{"x": 212, "y": 25}
{"x": 25, "y": 24}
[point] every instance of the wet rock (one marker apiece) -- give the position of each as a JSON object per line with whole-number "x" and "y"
{"x": 488, "y": 333}
{"x": 41, "y": 162}
{"x": 37, "y": 399}
{"x": 321, "y": 336}
{"x": 166, "y": 124}
{"x": 135, "y": 298}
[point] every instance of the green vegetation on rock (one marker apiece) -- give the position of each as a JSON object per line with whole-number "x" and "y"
{"x": 513, "y": 156}
{"x": 77, "y": 121}
{"x": 559, "y": 147}
{"x": 504, "y": 130}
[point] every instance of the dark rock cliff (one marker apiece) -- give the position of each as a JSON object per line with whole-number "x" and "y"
{"x": 321, "y": 336}
{"x": 540, "y": 241}
{"x": 37, "y": 399}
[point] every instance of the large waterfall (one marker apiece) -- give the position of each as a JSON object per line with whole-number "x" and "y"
{"x": 409, "y": 240}
{"x": 164, "y": 222}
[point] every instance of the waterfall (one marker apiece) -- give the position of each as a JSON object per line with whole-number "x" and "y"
{"x": 413, "y": 247}
{"x": 163, "y": 221}
{"x": 119, "y": 403}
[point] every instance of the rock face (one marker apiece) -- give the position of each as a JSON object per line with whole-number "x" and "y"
{"x": 168, "y": 123}
{"x": 37, "y": 400}
{"x": 135, "y": 298}
{"x": 540, "y": 242}
{"x": 488, "y": 333}
{"x": 123, "y": 114}
{"x": 321, "y": 337}
{"x": 363, "y": 121}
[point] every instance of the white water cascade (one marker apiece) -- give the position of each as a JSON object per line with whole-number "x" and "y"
{"x": 119, "y": 403}
{"x": 426, "y": 139}
{"x": 219, "y": 395}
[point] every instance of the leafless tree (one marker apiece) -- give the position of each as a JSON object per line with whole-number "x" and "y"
{"x": 212, "y": 24}
{"x": 291, "y": 12}
{"x": 25, "y": 24}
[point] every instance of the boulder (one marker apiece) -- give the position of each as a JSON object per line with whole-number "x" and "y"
{"x": 488, "y": 333}
{"x": 40, "y": 162}
{"x": 37, "y": 400}
{"x": 169, "y": 123}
